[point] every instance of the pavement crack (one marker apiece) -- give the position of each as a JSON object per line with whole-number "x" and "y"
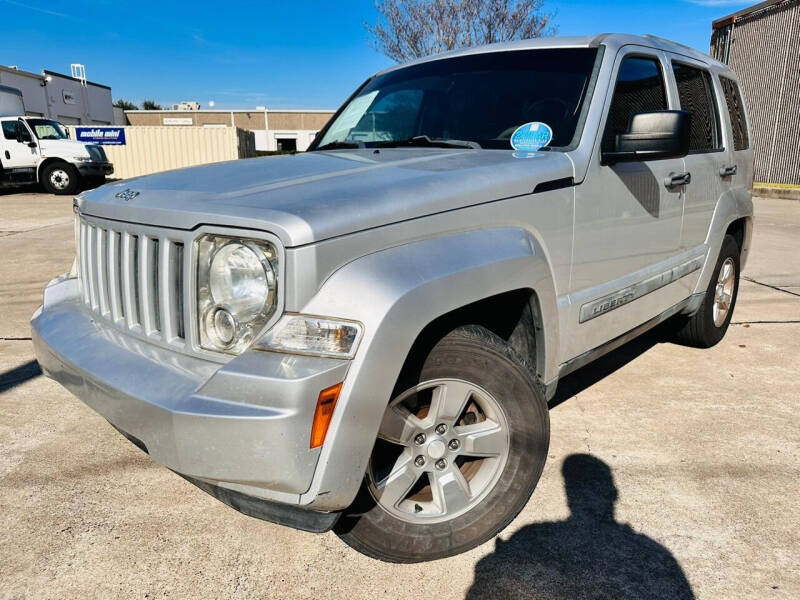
{"x": 764, "y": 322}
{"x": 585, "y": 425}
{"x": 774, "y": 287}
{"x": 15, "y": 339}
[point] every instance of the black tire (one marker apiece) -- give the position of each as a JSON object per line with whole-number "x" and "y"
{"x": 60, "y": 178}
{"x": 475, "y": 355}
{"x": 699, "y": 330}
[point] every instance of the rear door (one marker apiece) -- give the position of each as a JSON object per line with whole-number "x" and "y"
{"x": 627, "y": 220}
{"x": 708, "y": 159}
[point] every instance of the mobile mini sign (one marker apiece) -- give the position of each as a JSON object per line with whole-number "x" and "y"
{"x": 106, "y": 136}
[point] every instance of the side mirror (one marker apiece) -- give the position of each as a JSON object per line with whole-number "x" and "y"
{"x": 652, "y": 136}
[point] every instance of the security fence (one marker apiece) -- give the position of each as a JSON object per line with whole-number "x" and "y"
{"x": 762, "y": 45}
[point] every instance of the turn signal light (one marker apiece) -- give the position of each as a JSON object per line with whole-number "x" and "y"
{"x": 323, "y": 414}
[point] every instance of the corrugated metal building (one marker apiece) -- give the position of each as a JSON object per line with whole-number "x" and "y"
{"x": 762, "y": 45}
{"x": 61, "y": 97}
{"x": 274, "y": 129}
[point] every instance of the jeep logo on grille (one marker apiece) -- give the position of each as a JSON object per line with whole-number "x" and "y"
{"x": 127, "y": 195}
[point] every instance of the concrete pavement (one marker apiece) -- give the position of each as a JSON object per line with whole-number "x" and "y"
{"x": 673, "y": 472}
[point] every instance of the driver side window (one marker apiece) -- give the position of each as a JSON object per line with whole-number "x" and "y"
{"x": 10, "y": 130}
{"x": 640, "y": 88}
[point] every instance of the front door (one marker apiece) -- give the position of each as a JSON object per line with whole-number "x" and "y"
{"x": 18, "y": 154}
{"x": 627, "y": 216}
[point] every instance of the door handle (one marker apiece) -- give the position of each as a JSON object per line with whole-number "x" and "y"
{"x": 675, "y": 179}
{"x": 727, "y": 171}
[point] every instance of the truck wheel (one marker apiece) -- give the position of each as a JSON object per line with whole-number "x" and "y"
{"x": 708, "y": 325}
{"x": 458, "y": 454}
{"x": 60, "y": 178}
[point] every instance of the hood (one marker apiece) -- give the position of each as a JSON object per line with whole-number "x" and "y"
{"x": 313, "y": 196}
{"x": 62, "y": 148}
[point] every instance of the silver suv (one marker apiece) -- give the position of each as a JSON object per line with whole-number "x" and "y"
{"x": 364, "y": 337}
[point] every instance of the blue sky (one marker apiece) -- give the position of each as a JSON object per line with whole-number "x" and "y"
{"x": 299, "y": 54}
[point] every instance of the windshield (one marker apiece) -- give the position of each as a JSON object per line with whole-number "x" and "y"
{"x": 45, "y": 129}
{"x": 478, "y": 99}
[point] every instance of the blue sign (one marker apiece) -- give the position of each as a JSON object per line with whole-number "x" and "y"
{"x": 106, "y": 136}
{"x": 531, "y": 137}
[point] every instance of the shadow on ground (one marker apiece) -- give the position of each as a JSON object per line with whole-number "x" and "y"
{"x": 21, "y": 374}
{"x": 588, "y": 555}
{"x": 604, "y": 366}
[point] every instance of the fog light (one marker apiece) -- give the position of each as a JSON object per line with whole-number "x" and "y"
{"x": 222, "y": 326}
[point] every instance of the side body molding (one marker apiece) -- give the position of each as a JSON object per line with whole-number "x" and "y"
{"x": 395, "y": 293}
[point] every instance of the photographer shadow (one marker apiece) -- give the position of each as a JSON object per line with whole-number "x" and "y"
{"x": 588, "y": 555}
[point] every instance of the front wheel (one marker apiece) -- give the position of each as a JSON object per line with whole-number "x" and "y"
{"x": 457, "y": 457}
{"x": 60, "y": 179}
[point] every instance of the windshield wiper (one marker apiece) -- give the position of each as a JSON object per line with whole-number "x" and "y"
{"x": 340, "y": 145}
{"x": 424, "y": 140}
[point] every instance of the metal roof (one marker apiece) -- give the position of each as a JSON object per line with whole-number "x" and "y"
{"x": 731, "y": 18}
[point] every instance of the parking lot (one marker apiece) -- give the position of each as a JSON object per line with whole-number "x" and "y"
{"x": 673, "y": 472}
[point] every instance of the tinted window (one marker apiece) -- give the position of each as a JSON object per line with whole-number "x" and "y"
{"x": 697, "y": 97}
{"x": 393, "y": 117}
{"x": 733, "y": 99}
{"x": 10, "y": 130}
{"x": 640, "y": 88}
{"x": 479, "y": 98}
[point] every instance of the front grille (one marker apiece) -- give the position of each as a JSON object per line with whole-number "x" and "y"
{"x": 134, "y": 278}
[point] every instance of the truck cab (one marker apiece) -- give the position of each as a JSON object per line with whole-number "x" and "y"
{"x": 36, "y": 149}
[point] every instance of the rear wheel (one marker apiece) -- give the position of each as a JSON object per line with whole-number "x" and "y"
{"x": 457, "y": 457}
{"x": 710, "y": 323}
{"x": 60, "y": 178}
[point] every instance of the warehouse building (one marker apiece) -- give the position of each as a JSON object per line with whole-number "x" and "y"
{"x": 70, "y": 100}
{"x": 762, "y": 45}
{"x": 274, "y": 129}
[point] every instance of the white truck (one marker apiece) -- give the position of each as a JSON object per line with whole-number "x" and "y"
{"x": 33, "y": 149}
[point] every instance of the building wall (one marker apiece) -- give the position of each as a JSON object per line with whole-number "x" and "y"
{"x": 297, "y": 125}
{"x": 763, "y": 49}
{"x": 62, "y": 98}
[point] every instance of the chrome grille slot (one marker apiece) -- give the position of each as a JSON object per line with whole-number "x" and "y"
{"x": 134, "y": 278}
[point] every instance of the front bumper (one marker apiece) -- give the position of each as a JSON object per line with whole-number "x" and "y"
{"x": 95, "y": 169}
{"x": 243, "y": 427}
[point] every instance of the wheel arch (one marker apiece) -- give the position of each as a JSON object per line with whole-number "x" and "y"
{"x": 733, "y": 214}
{"x": 50, "y": 161}
{"x": 404, "y": 296}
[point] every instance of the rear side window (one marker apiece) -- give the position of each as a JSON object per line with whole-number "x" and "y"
{"x": 640, "y": 88}
{"x": 696, "y": 94}
{"x": 733, "y": 98}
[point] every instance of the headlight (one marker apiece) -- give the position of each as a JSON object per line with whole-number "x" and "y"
{"x": 81, "y": 158}
{"x": 304, "y": 334}
{"x": 236, "y": 291}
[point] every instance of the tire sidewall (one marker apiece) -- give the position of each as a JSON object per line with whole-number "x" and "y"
{"x": 493, "y": 368}
{"x": 729, "y": 249}
{"x": 71, "y": 171}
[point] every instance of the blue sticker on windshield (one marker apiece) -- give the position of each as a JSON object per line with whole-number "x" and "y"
{"x": 531, "y": 137}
